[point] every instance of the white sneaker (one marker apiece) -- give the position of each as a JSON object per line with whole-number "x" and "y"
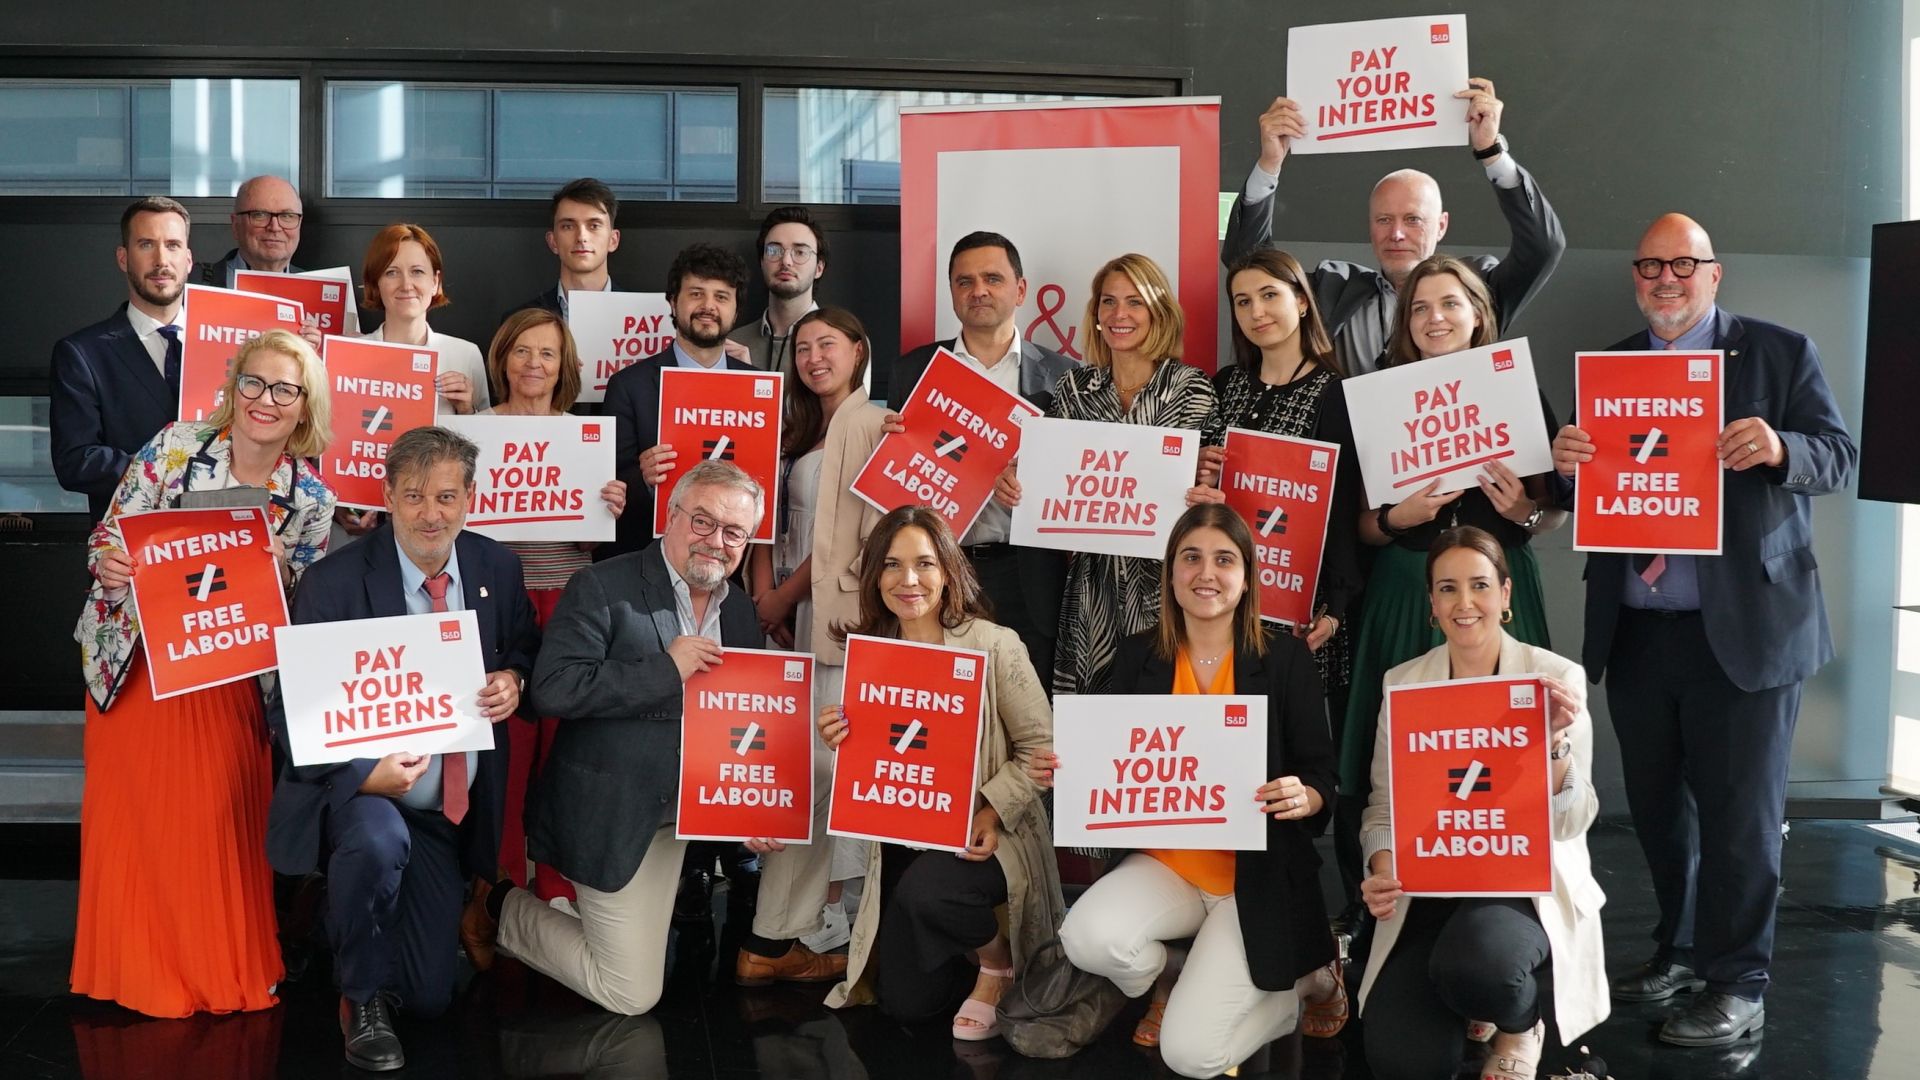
{"x": 836, "y": 930}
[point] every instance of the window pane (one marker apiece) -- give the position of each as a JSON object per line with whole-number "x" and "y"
{"x": 650, "y": 143}
{"x": 51, "y": 133}
{"x": 842, "y": 145}
{"x": 26, "y": 461}
{"x": 226, "y": 130}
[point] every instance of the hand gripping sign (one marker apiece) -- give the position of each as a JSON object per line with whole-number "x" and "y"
{"x": 746, "y": 749}
{"x": 962, "y": 429}
{"x": 1469, "y": 782}
{"x": 366, "y": 688}
{"x": 1283, "y": 488}
{"x": 380, "y": 391}
{"x": 216, "y": 322}
{"x": 725, "y": 415}
{"x": 1447, "y": 418}
{"x": 1109, "y": 489}
{"x": 1655, "y": 481}
{"x": 1386, "y": 84}
{"x": 539, "y": 477}
{"x": 1175, "y": 771}
{"x": 328, "y": 299}
{"x": 909, "y": 767}
{"x": 208, "y": 591}
{"x": 614, "y": 330}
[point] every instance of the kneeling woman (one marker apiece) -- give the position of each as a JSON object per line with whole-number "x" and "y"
{"x": 1445, "y": 970}
{"x": 1251, "y": 964}
{"x": 928, "y": 938}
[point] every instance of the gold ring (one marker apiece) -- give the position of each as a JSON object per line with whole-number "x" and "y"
{"x": 1752, "y": 447}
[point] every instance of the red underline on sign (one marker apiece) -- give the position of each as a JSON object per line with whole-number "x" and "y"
{"x": 1452, "y": 468}
{"x": 1377, "y": 130}
{"x": 1094, "y": 532}
{"x": 392, "y": 735}
{"x": 526, "y": 520}
{"x": 1168, "y": 821}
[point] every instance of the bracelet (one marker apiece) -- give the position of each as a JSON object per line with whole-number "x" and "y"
{"x": 1386, "y": 527}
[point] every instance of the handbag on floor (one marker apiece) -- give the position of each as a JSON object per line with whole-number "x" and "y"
{"x": 1056, "y": 1009}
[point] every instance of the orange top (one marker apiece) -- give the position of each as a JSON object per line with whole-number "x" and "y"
{"x": 1208, "y": 871}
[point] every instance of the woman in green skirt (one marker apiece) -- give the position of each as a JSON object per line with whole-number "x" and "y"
{"x": 1444, "y": 308}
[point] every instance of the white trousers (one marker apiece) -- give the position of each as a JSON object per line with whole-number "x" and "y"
{"x": 1216, "y": 1017}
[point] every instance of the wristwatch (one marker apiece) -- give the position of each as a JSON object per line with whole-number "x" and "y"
{"x": 1561, "y": 750}
{"x": 1498, "y": 147}
{"x": 1533, "y": 520}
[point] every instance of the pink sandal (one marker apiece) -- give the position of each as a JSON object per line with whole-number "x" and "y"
{"x": 985, "y": 1017}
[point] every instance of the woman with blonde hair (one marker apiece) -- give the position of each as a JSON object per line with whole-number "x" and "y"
{"x": 176, "y": 897}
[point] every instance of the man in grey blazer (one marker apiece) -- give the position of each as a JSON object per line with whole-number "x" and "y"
{"x": 988, "y": 288}
{"x": 626, "y": 636}
{"x": 1704, "y": 655}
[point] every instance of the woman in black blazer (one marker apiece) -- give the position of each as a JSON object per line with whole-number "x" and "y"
{"x": 1251, "y": 968}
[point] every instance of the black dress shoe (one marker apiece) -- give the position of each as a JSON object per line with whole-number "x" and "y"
{"x": 1657, "y": 980}
{"x": 1715, "y": 1019}
{"x": 371, "y": 1043}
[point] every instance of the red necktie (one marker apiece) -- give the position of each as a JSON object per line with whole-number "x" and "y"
{"x": 453, "y": 767}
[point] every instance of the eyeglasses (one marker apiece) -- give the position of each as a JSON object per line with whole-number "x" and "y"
{"x": 802, "y": 253}
{"x": 1683, "y": 267}
{"x": 252, "y": 386}
{"x": 288, "y": 219}
{"x": 731, "y": 535}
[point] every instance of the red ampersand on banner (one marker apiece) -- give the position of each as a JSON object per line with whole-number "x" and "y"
{"x": 1058, "y": 301}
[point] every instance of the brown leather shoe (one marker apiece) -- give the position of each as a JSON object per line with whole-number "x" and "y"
{"x": 478, "y": 930}
{"x": 800, "y": 964}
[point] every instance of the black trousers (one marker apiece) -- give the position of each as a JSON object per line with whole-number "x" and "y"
{"x": 394, "y": 892}
{"x": 935, "y": 909}
{"x": 1454, "y": 961}
{"x": 1705, "y": 765}
{"x": 1016, "y": 607}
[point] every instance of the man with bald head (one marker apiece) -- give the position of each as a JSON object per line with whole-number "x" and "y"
{"x": 266, "y": 230}
{"x": 1406, "y": 222}
{"x": 1704, "y": 655}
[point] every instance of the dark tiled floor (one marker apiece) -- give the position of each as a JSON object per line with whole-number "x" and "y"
{"x": 1845, "y": 1002}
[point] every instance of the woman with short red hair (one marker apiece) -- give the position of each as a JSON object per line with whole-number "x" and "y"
{"x": 401, "y": 277}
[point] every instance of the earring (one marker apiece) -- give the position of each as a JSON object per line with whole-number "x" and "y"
{"x": 1506, "y": 617}
{"x": 1433, "y": 621}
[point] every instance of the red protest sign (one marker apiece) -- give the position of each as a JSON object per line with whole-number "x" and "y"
{"x": 216, "y": 323}
{"x": 323, "y": 298}
{"x": 208, "y": 591}
{"x": 746, "y": 749}
{"x": 962, "y": 429}
{"x": 1469, "y": 782}
{"x": 1283, "y": 488}
{"x": 728, "y": 415}
{"x": 1654, "y": 484}
{"x": 908, "y": 769}
{"x": 380, "y": 392}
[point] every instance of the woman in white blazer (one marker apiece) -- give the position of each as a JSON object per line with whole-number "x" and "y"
{"x": 1443, "y": 971}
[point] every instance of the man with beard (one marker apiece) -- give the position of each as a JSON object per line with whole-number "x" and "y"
{"x": 266, "y": 231}
{"x": 627, "y": 635}
{"x": 703, "y": 290}
{"x": 793, "y": 256}
{"x": 581, "y": 235}
{"x": 117, "y": 382}
{"x": 1704, "y": 655}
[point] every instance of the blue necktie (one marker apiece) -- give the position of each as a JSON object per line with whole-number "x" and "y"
{"x": 172, "y": 366}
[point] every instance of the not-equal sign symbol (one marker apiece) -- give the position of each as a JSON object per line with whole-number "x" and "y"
{"x": 720, "y": 449}
{"x": 211, "y": 579}
{"x": 1273, "y": 521}
{"x": 908, "y": 736}
{"x": 1475, "y": 777}
{"x": 378, "y": 420}
{"x": 950, "y": 445}
{"x": 1652, "y": 444}
{"x": 751, "y": 737}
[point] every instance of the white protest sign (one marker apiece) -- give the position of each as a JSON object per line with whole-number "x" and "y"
{"x": 366, "y": 688}
{"x": 614, "y": 330}
{"x": 1446, "y": 419}
{"x": 1172, "y": 771}
{"x": 1107, "y": 489}
{"x": 1386, "y": 84}
{"x": 539, "y": 477}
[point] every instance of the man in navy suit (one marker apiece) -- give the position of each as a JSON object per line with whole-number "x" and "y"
{"x": 704, "y": 285}
{"x": 1704, "y": 655}
{"x": 582, "y": 235}
{"x": 116, "y": 383}
{"x": 402, "y": 834}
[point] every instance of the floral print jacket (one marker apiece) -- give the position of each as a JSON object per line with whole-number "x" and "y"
{"x": 187, "y": 457}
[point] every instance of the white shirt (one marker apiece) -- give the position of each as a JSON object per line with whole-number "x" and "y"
{"x": 995, "y": 523}
{"x": 147, "y": 329}
{"x": 709, "y": 626}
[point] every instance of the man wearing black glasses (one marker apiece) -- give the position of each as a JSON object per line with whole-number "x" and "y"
{"x": 793, "y": 255}
{"x": 628, "y": 634}
{"x": 266, "y": 231}
{"x": 1704, "y": 655}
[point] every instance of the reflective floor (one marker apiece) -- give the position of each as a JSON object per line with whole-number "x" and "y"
{"x": 1845, "y": 1001}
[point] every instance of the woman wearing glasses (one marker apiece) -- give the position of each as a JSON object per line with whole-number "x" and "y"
{"x": 176, "y": 899}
